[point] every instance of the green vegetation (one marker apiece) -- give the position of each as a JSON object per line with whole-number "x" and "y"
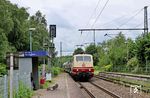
{"x": 78, "y": 51}
{"x": 56, "y": 70}
{"x": 47, "y": 84}
{"x": 23, "y": 91}
{"x": 117, "y": 54}
{"x": 2, "y": 69}
{"x": 92, "y": 49}
{"x": 14, "y": 30}
{"x": 121, "y": 54}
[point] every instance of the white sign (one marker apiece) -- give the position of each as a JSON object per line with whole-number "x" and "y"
{"x": 48, "y": 77}
{"x": 135, "y": 89}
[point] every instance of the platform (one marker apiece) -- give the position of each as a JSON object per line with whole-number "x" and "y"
{"x": 67, "y": 88}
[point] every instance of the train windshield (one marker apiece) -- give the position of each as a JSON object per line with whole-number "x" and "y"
{"x": 83, "y": 58}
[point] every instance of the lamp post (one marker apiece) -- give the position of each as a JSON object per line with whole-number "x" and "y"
{"x": 30, "y": 32}
{"x": 127, "y": 50}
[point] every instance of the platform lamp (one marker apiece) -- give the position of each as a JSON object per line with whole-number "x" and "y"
{"x": 30, "y": 32}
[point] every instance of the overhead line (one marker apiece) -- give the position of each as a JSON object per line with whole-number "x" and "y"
{"x": 138, "y": 25}
{"x": 93, "y": 13}
{"x": 91, "y": 17}
{"x": 119, "y": 18}
{"x": 130, "y": 18}
{"x": 100, "y": 13}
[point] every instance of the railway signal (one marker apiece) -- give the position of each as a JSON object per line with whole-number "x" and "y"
{"x": 52, "y": 31}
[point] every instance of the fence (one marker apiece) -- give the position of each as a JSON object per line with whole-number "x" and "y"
{"x": 139, "y": 70}
{"x": 4, "y": 84}
{"x": 4, "y": 87}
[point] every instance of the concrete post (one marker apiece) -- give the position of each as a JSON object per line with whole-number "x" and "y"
{"x": 11, "y": 75}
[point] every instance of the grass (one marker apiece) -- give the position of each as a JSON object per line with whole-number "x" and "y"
{"x": 48, "y": 84}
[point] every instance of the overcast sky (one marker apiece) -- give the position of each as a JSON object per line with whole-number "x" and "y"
{"x": 71, "y": 15}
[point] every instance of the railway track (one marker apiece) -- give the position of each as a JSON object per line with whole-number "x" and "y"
{"x": 88, "y": 92}
{"x": 143, "y": 77}
{"x": 126, "y": 79}
{"x": 121, "y": 90}
{"x": 109, "y": 94}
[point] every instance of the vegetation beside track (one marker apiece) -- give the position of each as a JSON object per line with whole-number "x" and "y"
{"x": 121, "y": 54}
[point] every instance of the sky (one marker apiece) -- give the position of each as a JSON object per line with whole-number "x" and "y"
{"x": 71, "y": 15}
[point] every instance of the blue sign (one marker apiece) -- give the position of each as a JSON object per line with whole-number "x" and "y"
{"x": 36, "y": 54}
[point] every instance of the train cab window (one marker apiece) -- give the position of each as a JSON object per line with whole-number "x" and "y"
{"x": 83, "y": 58}
{"x": 87, "y": 58}
{"x": 79, "y": 58}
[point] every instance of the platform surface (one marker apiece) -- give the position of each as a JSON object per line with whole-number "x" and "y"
{"x": 67, "y": 88}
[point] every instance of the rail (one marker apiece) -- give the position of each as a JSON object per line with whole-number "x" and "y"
{"x": 123, "y": 82}
{"x": 88, "y": 92}
{"x": 106, "y": 91}
{"x": 125, "y": 74}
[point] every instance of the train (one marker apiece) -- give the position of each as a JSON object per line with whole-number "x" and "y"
{"x": 80, "y": 67}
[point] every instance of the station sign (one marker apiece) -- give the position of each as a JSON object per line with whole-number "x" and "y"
{"x": 36, "y": 54}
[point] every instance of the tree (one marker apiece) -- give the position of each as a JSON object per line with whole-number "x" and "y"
{"x": 14, "y": 29}
{"x": 92, "y": 49}
{"x": 41, "y": 33}
{"x": 78, "y": 51}
{"x": 113, "y": 52}
{"x": 143, "y": 49}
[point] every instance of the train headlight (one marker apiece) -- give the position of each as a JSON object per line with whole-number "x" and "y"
{"x": 77, "y": 69}
{"x": 89, "y": 69}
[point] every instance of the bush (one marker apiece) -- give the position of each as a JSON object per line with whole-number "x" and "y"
{"x": 23, "y": 91}
{"x": 133, "y": 62}
{"x": 107, "y": 67}
{"x": 56, "y": 70}
{"x": 2, "y": 69}
{"x": 133, "y": 65}
{"x": 96, "y": 70}
{"x": 103, "y": 68}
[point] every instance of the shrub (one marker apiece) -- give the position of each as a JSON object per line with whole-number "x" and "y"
{"x": 23, "y": 91}
{"x": 2, "y": 69}
{"x": 133, "y": 65}
{"x": 107, "y": 67}
{"x": 56, "y": 70}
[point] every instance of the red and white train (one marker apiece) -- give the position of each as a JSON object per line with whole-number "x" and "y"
{"x": 81, "y": 67}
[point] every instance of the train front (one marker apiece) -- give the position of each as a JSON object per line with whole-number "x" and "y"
{"x": 82, "y": 68}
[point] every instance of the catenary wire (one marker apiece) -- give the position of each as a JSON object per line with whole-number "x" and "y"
{"x": 93, "y": 13}
{"x": 132, "y": 17}
{"x": 99, "y": 14}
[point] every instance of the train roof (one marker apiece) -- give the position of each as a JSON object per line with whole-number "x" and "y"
{"x": 83, "y": 55}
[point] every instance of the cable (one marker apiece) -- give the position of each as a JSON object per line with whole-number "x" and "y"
{"x": 138, "y": 25}
{"x": 130, "y": 18}
{"x": 90, "y": 19}
{"x": 83, "y": 40}
{"x": 93, "y": 13}
{"x": 119, "y": 18}
{"x": 100, "y": 13}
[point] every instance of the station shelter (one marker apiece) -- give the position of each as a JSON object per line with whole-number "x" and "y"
{"x": 27, "y": 71}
